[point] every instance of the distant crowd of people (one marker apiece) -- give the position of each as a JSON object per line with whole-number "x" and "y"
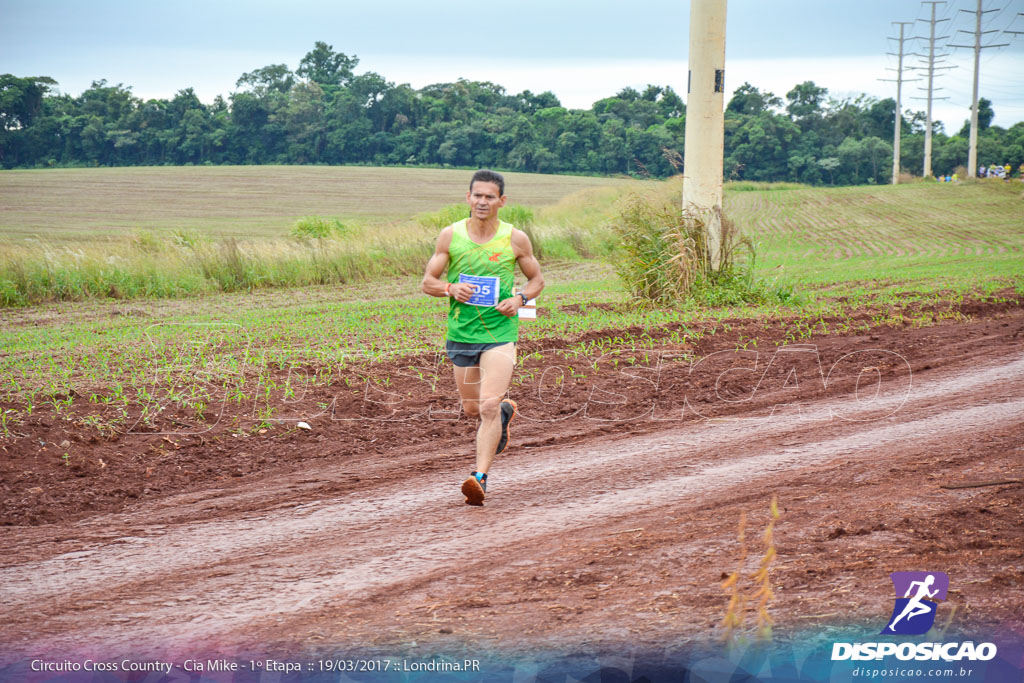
{"x": 1004, "y": 171}
{"x": 999, "y": 171}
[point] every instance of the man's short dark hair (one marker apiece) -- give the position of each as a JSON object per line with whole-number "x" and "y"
{"x": 486, "y": 176}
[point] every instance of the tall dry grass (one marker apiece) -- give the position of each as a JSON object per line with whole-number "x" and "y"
{"x": 152, "y": 266}
{"x": 183, "y": 263}
{"x": 663, "y": 257}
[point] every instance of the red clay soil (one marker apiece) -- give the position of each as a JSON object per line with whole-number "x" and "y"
{"x": 610, "y": 522}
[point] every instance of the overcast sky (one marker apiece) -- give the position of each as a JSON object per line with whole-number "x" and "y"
{"x": 582, "y": 50}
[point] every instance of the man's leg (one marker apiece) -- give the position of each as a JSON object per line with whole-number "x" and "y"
{"x": 496, "y": 366}
{"x": 468, "y": 382}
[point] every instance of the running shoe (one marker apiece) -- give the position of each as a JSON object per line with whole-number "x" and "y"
{"x": 509, "y": 410}
{"x": 474, "y": 488}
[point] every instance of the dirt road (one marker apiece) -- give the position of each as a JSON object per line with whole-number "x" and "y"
{"x": 596, "y": 534}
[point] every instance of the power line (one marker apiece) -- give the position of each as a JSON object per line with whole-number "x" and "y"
{"x": 991, "y": 21}
{"x": 1015, "y": 33}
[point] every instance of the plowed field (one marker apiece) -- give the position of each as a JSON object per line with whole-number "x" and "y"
{"x": 609, "y": 524}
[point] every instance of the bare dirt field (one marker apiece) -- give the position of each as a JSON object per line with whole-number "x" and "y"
{"x": 610, "y": 523}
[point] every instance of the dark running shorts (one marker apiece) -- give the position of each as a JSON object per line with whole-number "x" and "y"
{"x": 468, "y": 355}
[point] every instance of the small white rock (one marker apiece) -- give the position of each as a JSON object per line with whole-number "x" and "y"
{"x": 303, "y": 425}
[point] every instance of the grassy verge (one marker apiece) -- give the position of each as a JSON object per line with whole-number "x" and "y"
{"x": 808, "y": 236}
{"x": 148, "y": 266}
{"x": 78, "y": 234}
{"x": 850, "y": 256}
{"x": 113, "y": 366}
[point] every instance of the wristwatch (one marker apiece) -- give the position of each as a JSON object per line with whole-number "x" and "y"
{"x": 525, "y": 300}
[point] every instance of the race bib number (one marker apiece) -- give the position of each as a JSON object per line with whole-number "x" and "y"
{"x": 486, "y": 293}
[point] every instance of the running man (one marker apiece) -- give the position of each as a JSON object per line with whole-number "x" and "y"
{"x": 914, "y": 606}
{"x": 480, "y": 254}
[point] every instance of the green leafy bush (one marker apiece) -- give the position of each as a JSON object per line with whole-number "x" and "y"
{"x": 318, "y": 227}
{"x": 147, "y": 242}
{"x": 452, "y": 213}
{"x": 186, "y": 238}
{"x": 519, "y": 216}
{"x": 516, "y": 214}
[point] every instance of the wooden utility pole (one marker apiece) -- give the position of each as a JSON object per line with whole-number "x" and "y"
{"x": 705, "y": 121}
{"x": 899, "y": 105}
{"x": 972, "y": 150}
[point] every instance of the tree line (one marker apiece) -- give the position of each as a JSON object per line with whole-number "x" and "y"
{"x": 324, "y": 113}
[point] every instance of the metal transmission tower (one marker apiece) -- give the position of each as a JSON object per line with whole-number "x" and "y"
{"x": 927, "y": 172}
{"x": 705, "y": 121}
{"x": 972, "y": 154}
{"x": 899, "y": 106}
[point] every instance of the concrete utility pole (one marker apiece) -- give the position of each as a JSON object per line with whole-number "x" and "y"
{"x": 931, "y": 78}
{"x": 705, "y": 120}
{"x": 972, "y": 152}
{"x": 899, "y": 106}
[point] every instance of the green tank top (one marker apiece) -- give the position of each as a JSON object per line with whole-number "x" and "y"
{"x": 481, "y": 324}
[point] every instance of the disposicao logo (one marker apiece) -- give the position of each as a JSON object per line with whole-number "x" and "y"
{"x": 917, "y": 597}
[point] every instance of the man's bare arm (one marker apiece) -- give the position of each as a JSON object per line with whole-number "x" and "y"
{"x": 528, "y": 263}
{"x": 432, "y": 282}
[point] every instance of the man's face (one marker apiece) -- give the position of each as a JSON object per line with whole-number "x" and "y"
{"x": 484, "y": 200}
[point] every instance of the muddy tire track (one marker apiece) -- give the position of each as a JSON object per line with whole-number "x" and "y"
{"x": 166, "y": 588}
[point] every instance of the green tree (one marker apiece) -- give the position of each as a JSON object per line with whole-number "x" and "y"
{"x": 878, "y": 152}
{"x": 303, "y": 121}
{"x": 247, "y": 142}
{"x": 276, "y": 78}
{"x": 671, "y": 104}
{"x": 327, "y": 114}
{"x": 370, "y": 91}
{"x": 852, "y": 159}
{"x": 613, "y": 149}
{"x": 948, "y": 154}
{"x": 325, "y": 66}
{"x": 829, "y": 164}
{"x": 879, "y": 117}
{"x": 747, "y": 99}
{"x": 21, "y": 101}
{"x": 529, "y": 103}
{"x": 985, "y": 115}
{"x": 757, "y": 147}
{"x": 805, "y": 101}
